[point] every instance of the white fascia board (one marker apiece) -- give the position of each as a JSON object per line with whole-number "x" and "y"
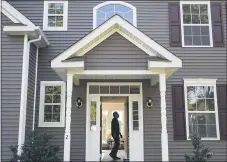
{"x": 7, "y": 14}
{"x": 14, "y": 14}
{"x": 155, "y": 64}
{"x": 75, "y": 64}
{"x": 199, "y": 81}
{"x": 17, "y": 30}
{"x": 84, "y": 41}
{"x": 154, "y": 45}
{"x": 32, "y": 31}
{"x": 112, "y": 72}
{"x": 118, "y": 21}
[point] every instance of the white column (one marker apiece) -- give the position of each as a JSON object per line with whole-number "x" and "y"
{"x": 164, "y": 134}
{"x": 67, "y": 137}
{"x": 23, "y": 96}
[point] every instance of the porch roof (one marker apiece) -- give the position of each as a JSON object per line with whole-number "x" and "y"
{"x": 159, "y": 58}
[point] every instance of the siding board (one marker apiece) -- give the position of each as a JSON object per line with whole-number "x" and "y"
{"x": 11, "y": 63}
{"x": 108, "y": 53}
{"x": 31, "y": 88}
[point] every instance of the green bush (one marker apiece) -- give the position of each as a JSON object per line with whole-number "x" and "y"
{"x": 201, "y": 153}
{"x": 36, "y": 148}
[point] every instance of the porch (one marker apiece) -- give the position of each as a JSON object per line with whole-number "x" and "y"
{"x": 146, "y": 112}
{"x": 141, "y": 59}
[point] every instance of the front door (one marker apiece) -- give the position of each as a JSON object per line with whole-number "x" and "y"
{"x": 135, "y": 128}
{"x": 93, "y": 130}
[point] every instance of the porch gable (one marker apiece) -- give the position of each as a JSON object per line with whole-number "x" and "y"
{"x": 125, "y": 29}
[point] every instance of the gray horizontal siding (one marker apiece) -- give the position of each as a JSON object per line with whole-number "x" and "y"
{"x": 11, "y": 64}
{"x": 152, "y": 123}
{"x": 152, "y": 19}
{"x": 78, "y": 124}
{"x": 31, "y": 88}
{"x": 116, "y": 53}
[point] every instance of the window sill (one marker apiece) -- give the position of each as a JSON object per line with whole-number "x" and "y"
{"x": 207, "y": 139}
{"x": 51, "y": 124}
{"x": 197, "y": 46}
{"x": 55, "y": 29}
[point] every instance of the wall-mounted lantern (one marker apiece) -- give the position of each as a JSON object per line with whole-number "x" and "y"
{"x": 149, "y": 102}
{"x": 79, "y": 102}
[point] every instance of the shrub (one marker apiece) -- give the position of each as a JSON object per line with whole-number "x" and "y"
{"x": 201, "y": 153}
{"x": 36, "y": 148}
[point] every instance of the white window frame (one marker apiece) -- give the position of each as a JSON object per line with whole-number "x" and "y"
{"x": 43, "y": 84}
{"x": 114, "y": 2}
{"x": 65, "y": 17}
{"x": 201, "y": 82}
{"x": 209, "y": 25}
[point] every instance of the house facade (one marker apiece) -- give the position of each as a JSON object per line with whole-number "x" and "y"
{"x": 60, "y": 58}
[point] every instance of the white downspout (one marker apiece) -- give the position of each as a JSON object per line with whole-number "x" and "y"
{"x": 36, "y": 70}
{"x": 24, "y": 90}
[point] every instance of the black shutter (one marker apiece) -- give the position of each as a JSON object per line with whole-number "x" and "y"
{"x": 217, "y": 27}
{"x": 222, "y": 110}
{"x": 174, "y": 24}
{"x": 178, "y": 107}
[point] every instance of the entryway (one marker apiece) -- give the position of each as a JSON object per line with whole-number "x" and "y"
{"x": 109, "y": 105}
{"x": 99, "y": 115}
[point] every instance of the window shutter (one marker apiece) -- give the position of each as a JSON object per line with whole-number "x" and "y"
{"x": 178, "y": 112}
{"x": 174, "y": 24}
{"x": 216, "y": 15}
{"x": 222, "y": 110}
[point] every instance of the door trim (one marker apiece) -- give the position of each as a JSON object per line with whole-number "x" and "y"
{"x": 128, "y": 95}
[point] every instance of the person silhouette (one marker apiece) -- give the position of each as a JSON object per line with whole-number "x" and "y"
{"x": 115, "y": 132}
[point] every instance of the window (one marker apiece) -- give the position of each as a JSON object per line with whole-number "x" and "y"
{"x": 55, "y": 15}
{"x": 135, "y": 115}
{"x": 106, "y": 10}
{"x": 201, "y": 108}
{"x": 52, "y": 104}
{"x": 93, "y": 109}
{"x": 196, "y": 24}
{"x": 122, "y": 89}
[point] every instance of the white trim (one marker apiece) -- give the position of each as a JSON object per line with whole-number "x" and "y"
{"x": 23, "y": 97}
{"x": 41, "y": 104}
{"x": 116, "y": 24}
{"x": 35, "y": 88}
{"x": 19, "y": 28}
{"x": 202, "y": 82}
{"x": 162, "y": 64}
{"x": 75, "y": 64}
{"x": 164, "y": 133}
{"x": 67, "y": 137}
{"x": 114, "y": 2}
{"x": 113, "y": 72}
{"x": 114, "y": 84}
{"x": 14, "y": 15}
{"x": 209, "y": 25}
{"x": 32, "y": 31}
{"x": 65, "y": 17}
{"x": 0, "y": 89}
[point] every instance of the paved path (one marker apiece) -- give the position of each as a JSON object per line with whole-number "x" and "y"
{"x": 106, "y": 157}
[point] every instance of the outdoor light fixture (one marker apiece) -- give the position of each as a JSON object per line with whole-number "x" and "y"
{"x": 149, "y": 102}
{"x": 79, "y": 102}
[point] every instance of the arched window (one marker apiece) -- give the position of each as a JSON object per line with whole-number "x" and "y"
{"x": 106, "y": 10}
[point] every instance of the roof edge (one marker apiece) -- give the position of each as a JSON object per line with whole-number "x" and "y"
{"x": 14, "y": 15}
{"x": 33, "y": 32}
{"x": 122, "y": 27}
